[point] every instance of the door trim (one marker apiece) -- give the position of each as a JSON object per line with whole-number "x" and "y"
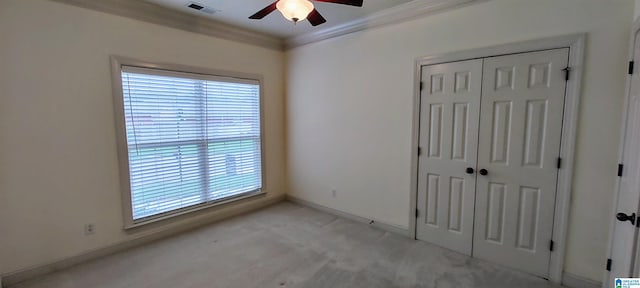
{"x": 575, "y": 43}
{"x": 623, "y": 128}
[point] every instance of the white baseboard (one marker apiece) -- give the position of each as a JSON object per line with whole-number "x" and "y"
{"x": 574, "y": 281}
{"x": 371, "y": 222}
{"x": 40, "y": 270}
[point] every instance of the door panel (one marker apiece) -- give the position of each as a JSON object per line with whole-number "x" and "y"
{"x": 527, "y": 218}
{"x": 534, "y": 132}
{"x": 495, "y": 212}
{"x": 519, "y": 142}
{"x": 459, "y": 144}
{"x": 455, "y": 204}
{"x": 501, "y": 130}
{"x": 433, "y": 190}
{"x": 435, "y": 128}
{"x": 450, "y": 105}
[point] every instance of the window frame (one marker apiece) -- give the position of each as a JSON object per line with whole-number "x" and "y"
{"x": 117, "y": 63}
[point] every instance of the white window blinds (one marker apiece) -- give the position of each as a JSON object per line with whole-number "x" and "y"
{"x": 192, "y": 139}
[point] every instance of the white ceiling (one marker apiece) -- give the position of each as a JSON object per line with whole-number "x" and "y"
{"x": 237, "y": 12}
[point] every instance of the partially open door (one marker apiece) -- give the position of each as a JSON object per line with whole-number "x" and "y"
{"x": 622, "y": 262}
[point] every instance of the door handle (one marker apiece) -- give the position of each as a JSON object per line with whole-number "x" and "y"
{"x": 470, "y": 170}
{"x": 483, "y": 172}
{"x": 624, "y": 217}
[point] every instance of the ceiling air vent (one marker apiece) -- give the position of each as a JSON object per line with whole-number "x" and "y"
{"x": 201, "y": 8}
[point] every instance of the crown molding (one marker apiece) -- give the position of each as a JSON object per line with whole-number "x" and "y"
{"x": 397, "y": 14}
{"x": 156, "y": 14}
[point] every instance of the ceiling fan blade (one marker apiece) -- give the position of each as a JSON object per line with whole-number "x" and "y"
{"x": 264, "y": 12}
{"x": 345, "y": 2}
{"x": 315, "y": 18}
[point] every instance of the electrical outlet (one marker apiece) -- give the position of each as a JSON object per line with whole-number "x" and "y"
{"x": 89, "y": 229}
{"x": 334, "y": 193}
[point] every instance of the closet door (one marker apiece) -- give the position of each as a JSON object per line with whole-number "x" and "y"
{"x": 450, "y": 105}
{"x": 519, "y": 143}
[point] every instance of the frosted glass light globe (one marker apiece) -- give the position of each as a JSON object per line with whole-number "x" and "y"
{"x": 295, "y": 10}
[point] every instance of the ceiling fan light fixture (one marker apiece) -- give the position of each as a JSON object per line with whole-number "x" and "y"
{"x": 295, "y": 10}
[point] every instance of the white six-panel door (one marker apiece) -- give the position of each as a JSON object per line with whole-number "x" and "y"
{"x": 519, "y": 144}
{"x": 503, "y": 116}
{"x": 448, "y": 139}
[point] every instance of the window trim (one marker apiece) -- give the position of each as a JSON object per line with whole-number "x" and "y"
{"x": 117, "y": 63}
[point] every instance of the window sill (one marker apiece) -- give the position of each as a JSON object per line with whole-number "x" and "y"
{"x": 192, "y": 209}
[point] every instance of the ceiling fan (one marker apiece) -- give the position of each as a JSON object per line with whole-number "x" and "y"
{"x": 298, "y": 10}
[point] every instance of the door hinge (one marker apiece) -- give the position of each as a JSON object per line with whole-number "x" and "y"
{"x": 620, "y": 169}
{"x": 559, "y": 162}
{"x": 567, "y": 71}
{"x": 551, "y": 245}
{"x": 421, "y": 84}
{"x": 608, "y": 264}
{"x": 631, "y": 64}
{"x": 419, "y": 151}
{"x": 417, "y": 213}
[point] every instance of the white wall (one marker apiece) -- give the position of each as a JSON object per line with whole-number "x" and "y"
{"x": 58, "y": 165}
{"x": 349, "y": 109}
{"x": 636, "y": 13}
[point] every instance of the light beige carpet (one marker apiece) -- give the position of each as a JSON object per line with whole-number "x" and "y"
{"x": 287, "y": 245}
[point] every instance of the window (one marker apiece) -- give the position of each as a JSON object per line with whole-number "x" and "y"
{"x": 192, "y": 140}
